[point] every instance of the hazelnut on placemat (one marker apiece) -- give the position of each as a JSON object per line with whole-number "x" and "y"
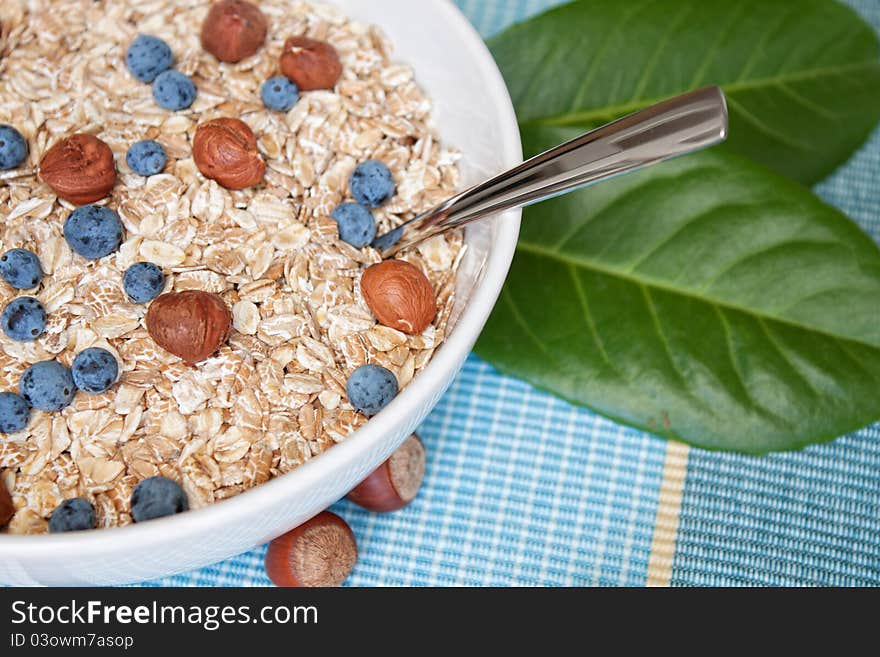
{"x": 395, "y": 483}
{"x": 321, "y": 552}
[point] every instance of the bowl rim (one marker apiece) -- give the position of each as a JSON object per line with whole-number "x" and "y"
{"x": 443, "y": 366}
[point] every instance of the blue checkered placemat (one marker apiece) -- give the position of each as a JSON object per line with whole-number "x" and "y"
{"x": 524, "y": 489}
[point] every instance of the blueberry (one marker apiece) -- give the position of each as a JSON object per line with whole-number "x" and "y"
{"x": 371, "y": 388}
{"x": 143, "y": 282}
{"x": 146, "y": 157}
{"x": 21, "y": 269}
{"x": 23, "y": 319}
{"x": 388, "y": 240}
{"x": 356, "y": 224}
{"x": 47, "y": 386}
{"x": 72, "y": 516}
{"x": 14, "y": 412}
{"x": 147, "y": 57}
{"x": 13, "y": 147}
{"x": 279, "y": 94}
{"x": 174, "y": 91}
{"x": 94, "y": 370}
{"x": 372, "y": 184}
{"x": 157, "y": 497}
{"x": 93, "y": 231}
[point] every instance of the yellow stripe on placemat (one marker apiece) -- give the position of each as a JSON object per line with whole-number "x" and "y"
{"x": 666, "y": 522}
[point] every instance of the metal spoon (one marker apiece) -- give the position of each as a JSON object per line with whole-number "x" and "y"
{"x": 677, "y": 126}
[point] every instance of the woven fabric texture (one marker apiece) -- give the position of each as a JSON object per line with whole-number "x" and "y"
{"x": 524, "y": 489}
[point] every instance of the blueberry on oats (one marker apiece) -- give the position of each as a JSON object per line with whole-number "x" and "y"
{"x": 23, "y": 319}
{"x": 146, "y": 158}
{"x": 147, "y": 57}
{"x": 72, "y": 515}
{"x": 93, "y": 231}
{"x": 174, "y": 91}
{"x": 371, "y": 388}
{"x": 94, "y": 370}
{"x": 21, "y": 269}
{"x": 157, "y": 497}
{"x": 47, "y": 386}
{"x": 143, "y": 282}
{"x": 14, "y": 412}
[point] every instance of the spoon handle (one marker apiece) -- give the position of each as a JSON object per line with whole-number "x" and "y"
{"x": 677, "y": 126}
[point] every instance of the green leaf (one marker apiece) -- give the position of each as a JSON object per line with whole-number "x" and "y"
{"x": 802, "y": 77}
{"x": 707, "y": 300}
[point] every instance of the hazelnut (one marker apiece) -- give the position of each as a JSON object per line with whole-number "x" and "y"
{"x": 80, "y": 169}
{"x": 321, "y": 552}
{"x": 7, "y": 508}
{"x": 395, "y": 483}
{"x": 310, "y": 64}
{"x": 399, "y": 295}
{"x": 233, "y": 30}
{"x": 191, "y": 324}
{"x": 225, "y": 150}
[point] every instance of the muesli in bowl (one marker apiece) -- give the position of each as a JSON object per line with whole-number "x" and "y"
{"x": 199, "y": 231}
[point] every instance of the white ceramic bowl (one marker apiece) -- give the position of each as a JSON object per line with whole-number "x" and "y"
{"x": 472, "y": 112}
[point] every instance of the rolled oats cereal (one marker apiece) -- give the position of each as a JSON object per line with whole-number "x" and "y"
{"x": 273, "y": 395}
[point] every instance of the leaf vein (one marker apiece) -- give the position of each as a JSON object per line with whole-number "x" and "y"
{"x": 588, "y": 317}
{"x": 762, "y": 252}
{"x": 537, "y": 249}
{"x": 606, "y": 42}
{"x": 758, "y": 50}
{"x": 649, "y": 67}
{"x": 767, "y": 130}
{"x": 708, "y": 213}
{"x": 620, "y": 199}
{"x": 586, "y": 221}
{"x": 594, "y": 115}
{"x": 856, "y": 361}
{"x": 728, "y": 339}
{"x": 524, "y": 325}
{"x": 806, "y": 102}
{"x": 557, "y": 51}
{"x": 709, "y": 58}
{"x": 787, "y": 360}
{"x": 814, "y": 295}
{"x": 652, "y": 310}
